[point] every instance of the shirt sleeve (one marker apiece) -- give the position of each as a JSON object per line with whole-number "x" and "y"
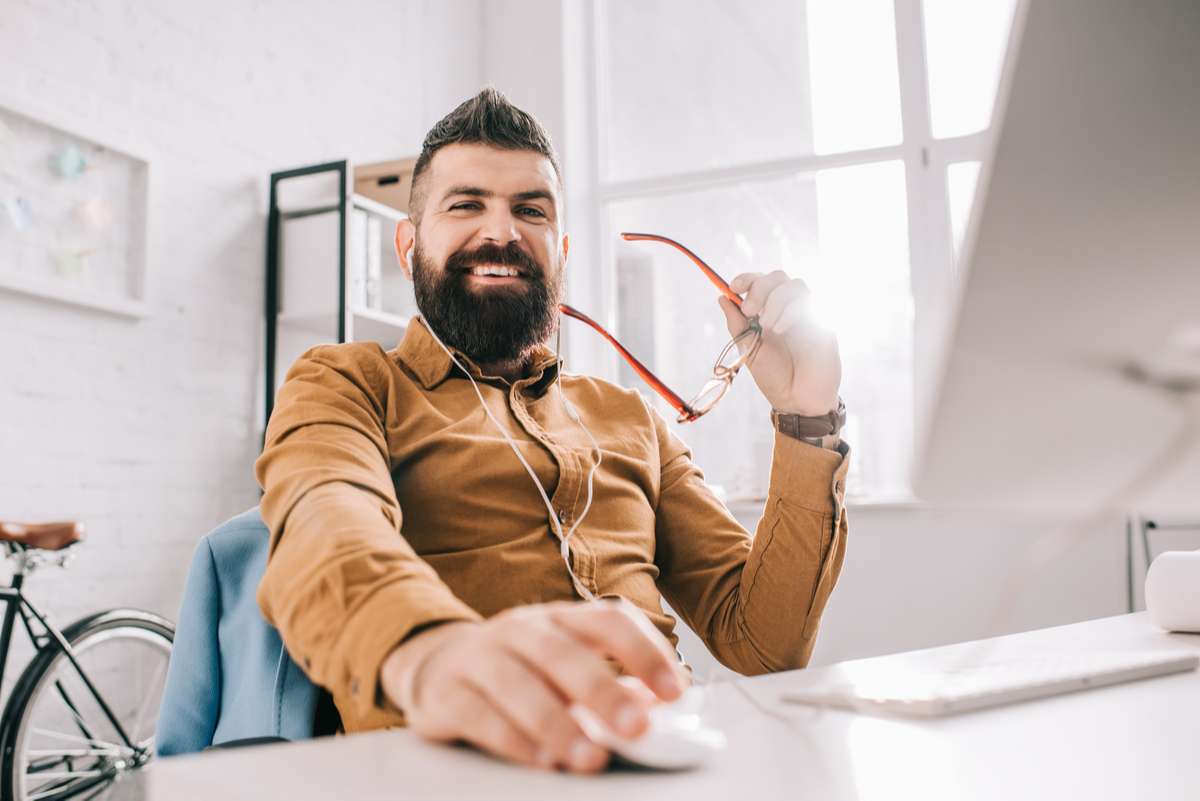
{"x": 755, "y": 601}
{"x": 342, "y": 585}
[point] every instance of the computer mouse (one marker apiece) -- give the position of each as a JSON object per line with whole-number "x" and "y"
{"x": 677, "y": 738}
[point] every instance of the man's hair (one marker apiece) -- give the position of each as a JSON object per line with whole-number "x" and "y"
{"x": 488, "y": 119}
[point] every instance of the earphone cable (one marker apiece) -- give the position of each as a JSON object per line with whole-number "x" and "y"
{"x": 564, "y": 547}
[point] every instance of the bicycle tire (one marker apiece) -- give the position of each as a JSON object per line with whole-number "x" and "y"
{"x": 30, "y": 683}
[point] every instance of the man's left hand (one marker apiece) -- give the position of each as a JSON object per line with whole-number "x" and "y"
{"x": 798, "y": 367}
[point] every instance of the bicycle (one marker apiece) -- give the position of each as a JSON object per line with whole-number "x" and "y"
{"x": 83, "y": 711}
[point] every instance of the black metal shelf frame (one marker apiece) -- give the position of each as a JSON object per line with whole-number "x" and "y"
{"x": 274, "y": 218}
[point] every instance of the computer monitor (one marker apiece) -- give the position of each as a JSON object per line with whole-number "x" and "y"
{"x": 1070, "y": 379}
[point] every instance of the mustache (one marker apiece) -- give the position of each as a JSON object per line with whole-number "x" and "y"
{"x": 510, "y": 256}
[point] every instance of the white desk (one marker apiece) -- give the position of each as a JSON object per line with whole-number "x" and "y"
{"x": 1132, "y": 741}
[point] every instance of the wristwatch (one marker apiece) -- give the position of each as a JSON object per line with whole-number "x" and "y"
{"x": 812, "y": 430}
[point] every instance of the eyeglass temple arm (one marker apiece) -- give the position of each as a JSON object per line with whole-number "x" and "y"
{"x": 717, "y": 280}
{"x": 662, "y": 389}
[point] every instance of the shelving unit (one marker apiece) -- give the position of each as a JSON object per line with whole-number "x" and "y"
{"x": 331, "y": 266}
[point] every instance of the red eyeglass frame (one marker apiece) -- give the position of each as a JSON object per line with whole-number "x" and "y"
{"x": 723, "y": 375}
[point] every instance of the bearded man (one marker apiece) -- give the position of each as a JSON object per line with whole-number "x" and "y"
{"x": 416, "y": 571}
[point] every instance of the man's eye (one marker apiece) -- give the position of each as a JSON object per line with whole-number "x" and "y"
{"x": 536, "y": 211}
{"x": 465, "y": 205}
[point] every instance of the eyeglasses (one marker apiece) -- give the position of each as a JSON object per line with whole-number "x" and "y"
{"x": 727, "y": 364}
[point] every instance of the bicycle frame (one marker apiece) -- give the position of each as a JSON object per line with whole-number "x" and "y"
{"x": 16, "y": 603}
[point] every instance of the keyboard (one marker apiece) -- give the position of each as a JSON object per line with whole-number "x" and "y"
{"x": 888, "y": 687}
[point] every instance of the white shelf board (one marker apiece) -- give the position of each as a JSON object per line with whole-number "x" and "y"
{"x": 322, "y": 324}
{"x": 72, "y": 295}
{"x": 378, "y": 326}
{"x": 375, "y": 207}
{"x": 365, "y": 324}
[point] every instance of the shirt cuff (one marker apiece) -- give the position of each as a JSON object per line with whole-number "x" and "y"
{"x": 807, "y": 476}
{"x": 381, "y": 624}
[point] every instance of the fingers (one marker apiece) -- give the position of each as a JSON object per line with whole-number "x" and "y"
{"x": 757, "y": 288}
{"x": 742, "y": 282}
{"x": 516, "y": 689}
{"x": 777, "y": 300}
{"x": 576, "y": 672}
{"x": 621, "y": 631}
{"x": 490, "y": 729}
{"x": 786, "y": 301}
{"x": 735, "y": 321}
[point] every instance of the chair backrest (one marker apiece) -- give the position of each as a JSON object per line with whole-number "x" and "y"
{"x": 230, "y": 677}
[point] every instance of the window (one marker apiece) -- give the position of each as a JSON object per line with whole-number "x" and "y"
{"x": 804, "y": 136}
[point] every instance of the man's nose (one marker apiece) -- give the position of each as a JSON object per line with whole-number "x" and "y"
{"x": 500, "y": 227}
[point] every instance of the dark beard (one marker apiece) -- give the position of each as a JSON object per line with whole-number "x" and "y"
{"x": 495, "y": 324}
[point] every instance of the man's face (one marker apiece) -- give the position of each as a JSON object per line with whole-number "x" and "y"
{"x": 489, "y": 253}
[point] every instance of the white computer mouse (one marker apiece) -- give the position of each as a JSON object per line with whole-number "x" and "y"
{"x": 676, "y": 739}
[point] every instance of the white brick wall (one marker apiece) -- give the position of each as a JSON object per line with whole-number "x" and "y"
{"x": 146, "y": 430}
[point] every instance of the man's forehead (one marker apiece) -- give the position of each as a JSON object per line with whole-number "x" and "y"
{"x": 504, "y": 172}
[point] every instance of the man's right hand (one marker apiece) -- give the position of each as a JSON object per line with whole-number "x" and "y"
{"x": 505, "y": 684}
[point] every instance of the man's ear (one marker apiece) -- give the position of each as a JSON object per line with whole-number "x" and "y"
{"x": 566, "y": 246}
{"x": 406, "y": 234}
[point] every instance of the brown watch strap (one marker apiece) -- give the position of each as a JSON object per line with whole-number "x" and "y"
{"x": 800, "y": 427}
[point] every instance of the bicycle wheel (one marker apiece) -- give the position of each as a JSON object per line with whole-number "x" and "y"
{"x": 56, "y": 738}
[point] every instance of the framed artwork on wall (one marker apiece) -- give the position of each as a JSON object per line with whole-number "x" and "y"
{"x": 74, "y": 212}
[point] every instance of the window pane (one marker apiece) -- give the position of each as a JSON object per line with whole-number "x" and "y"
{"x": 965, "y": 44}
{"x": 855, "y": 85}
{"x": 844, "y": 232}
{"x": 700, "y": 84}
{"x": 863, "y": 227}
{"x": 960, "y": 186}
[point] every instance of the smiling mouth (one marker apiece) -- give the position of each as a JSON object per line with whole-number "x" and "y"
{"x": 493, "y": 272}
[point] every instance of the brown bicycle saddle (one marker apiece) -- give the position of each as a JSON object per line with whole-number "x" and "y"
{"x": 47, "y": 536}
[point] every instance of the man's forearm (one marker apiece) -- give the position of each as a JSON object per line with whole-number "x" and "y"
{"x": 342, "y": 597}
{"x": 798, "y": 551}
{"x": 755, "y": 600}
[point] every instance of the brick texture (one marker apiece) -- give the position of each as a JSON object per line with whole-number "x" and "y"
{"x": 147, "y": 430}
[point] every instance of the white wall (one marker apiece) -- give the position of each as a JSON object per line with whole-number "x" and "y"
{"x": 918, "y": 577}
{"x": 523, "y": 56}
{"x": 145, "y": 430}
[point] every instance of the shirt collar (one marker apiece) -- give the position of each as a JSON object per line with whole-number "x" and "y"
{"x": 422, "y": 354}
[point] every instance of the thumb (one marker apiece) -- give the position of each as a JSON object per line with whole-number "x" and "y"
{"x": 735, "y": 321}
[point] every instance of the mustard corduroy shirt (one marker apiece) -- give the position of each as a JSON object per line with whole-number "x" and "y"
{"x": 394, "y": 503}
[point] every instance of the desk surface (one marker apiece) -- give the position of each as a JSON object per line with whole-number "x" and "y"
{"x": 1135, "y": 740}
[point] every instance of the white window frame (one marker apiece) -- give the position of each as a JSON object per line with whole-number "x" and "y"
{"x": 926, "y": 159}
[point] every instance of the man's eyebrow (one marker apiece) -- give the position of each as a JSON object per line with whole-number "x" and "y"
{"x": 462, "y": 189}
{"x": 534, "y": 194}
{"x": 476, "y": 191}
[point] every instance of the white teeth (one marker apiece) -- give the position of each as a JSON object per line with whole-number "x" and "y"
{"x": 494, "y": 270}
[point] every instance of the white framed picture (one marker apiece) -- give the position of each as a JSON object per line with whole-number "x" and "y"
{"x": 74, "y": 211}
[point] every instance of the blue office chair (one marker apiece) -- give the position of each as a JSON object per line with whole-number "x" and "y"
{"x": 230, "y": 680}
